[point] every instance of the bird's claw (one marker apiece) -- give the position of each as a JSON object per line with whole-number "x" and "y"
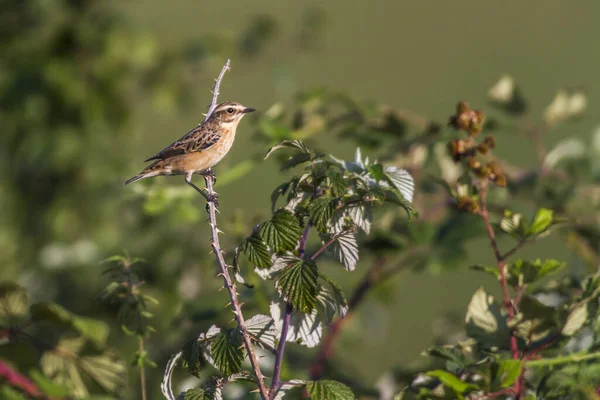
{"x": 209, "y": 173}
{"x": 212, "y": 198}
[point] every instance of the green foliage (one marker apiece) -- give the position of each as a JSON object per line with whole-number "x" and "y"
{"x": 88, "y": 328}
{"x": 256, "y": 251}
{"x": 452, "y": 382}
{"x": 330, "y": 390}
{"x": 227, "y": 352}
{"x": 320, "y": 211}
{"x": 298, "y": 284}
{"x": 282, "y": 232}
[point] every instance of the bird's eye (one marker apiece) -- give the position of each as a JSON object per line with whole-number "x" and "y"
{"x": 230, "y": 110}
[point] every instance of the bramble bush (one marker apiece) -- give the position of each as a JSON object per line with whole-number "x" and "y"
{"x": 432, "y": 190}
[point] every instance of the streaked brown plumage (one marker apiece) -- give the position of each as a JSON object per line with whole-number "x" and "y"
{"x": 201, "y": 148}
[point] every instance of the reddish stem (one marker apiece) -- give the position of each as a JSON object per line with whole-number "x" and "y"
{"x": 500, "y": 262}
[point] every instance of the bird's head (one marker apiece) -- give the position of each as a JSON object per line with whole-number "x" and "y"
{"x": 229, "y": 113}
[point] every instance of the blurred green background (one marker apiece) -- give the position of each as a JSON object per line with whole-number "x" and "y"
{"x": 90, "y": 89}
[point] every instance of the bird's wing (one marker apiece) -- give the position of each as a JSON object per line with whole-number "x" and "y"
{"x": 198, "y": 139}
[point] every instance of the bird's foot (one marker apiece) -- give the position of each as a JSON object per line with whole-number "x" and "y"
{"x": 209, "y": 173}
{"x": 212, "y": 198}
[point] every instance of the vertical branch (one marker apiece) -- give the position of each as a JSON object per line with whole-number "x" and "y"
{"x": 142, "y": 371}
{"x": 224, "y": 268}
{"x": 500, "y": 262}
{"x": 286, "y": 323}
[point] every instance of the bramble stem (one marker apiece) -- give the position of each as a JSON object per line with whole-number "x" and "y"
{"x": 216, "y": 247}
{"x": 231, "y": 289}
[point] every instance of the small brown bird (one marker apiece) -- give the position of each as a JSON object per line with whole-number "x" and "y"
{"x": 200, "y": 149}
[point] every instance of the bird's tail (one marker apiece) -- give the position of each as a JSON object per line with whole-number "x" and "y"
{"x": 139, "y": 176}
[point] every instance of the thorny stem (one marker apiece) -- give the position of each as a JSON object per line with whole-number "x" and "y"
{"x": 500, "y": 259}
{"x": 216, "y": 247}
{"x": 276, "y": 383}
{"x": 231, "y": 289}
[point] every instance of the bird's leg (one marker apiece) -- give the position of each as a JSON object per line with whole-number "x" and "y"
{"x": 209, "y": 172}
{"x": 211, "y": 198}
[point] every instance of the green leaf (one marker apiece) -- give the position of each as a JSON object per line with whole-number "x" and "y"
{"x": 298, "y": 284}
{"x": 493, "y": 271}
{"x": 485, "y": 322}
{"x": 508, "y": 372}
{"x": 541, "y": 222}
{"x": 194, "y": 394}
{"x": 305, "y": 329}
{"x": 455, "y": 359}
{"x": 345, "y": 249}
{"x": 295, "y": 160}
{"x": 256, "y": 251}
{"x": 452, "y": 382}
{"x": 91, "y": 329}
{"x": 282, "y": 232}
{"x": 289, "y": 144}
{"x": 513, "y": 224}
{"x": 227, "y": 352}
{"x": 279, "y": 191}
{"x": 526, "y": 272}
{"x": 328, "y": 390}
{"x": 262, "y": 330}
{"x": 49, "y": 388}
{"x": 534, "y": 321}
{"x": 320, "y": 211}
{"x": 576, "y": 320}
{"x": 13, "y": 303}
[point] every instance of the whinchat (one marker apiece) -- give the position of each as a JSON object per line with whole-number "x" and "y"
{"x": 199, "y": 149}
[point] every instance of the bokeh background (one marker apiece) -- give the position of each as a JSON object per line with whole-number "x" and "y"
{"x": 89, "y": 89}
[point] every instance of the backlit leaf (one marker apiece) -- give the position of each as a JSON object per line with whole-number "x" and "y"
{"x": 345, "y": 249}
{"x": 508, "y": 372}
{"x": 485, "y": 322}
{"x": 262, "y": 330}
{"x": 402, "y": 180}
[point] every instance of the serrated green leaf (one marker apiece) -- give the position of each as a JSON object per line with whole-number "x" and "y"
{"x": 91, "y": 329}
{"x": 226, "y": 350}
{"x": 320, "y": 211}
{"x": 336, "y": 182}
{"x": 13, "y": 303}
{"x": 298, "y": 284}
{"x": 541, "y": 222}
{"x": 452, "y": 382}
{"x": 525, "y": 272}
{"x": 328, "y": 390}
{"x": 508, "y": 372}
{"x": 485, "y": 322}
{"x": 289, "y": 144}
{"x": 376, "y": 172}
{"x": 362, "y": 216}
{"x": 576, "y": 320}
{"x": 282, "y": 232}
{"x": 194, "y": 394}
{"x": 256, "y": 251}
{"x": 345, "y": 249}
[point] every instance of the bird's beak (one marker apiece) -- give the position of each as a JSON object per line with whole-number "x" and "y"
{"x": 249, "y": 110}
